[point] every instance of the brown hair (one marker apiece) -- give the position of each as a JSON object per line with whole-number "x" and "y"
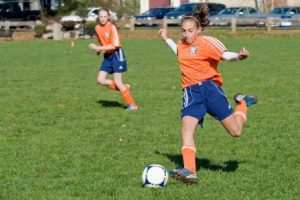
{"x": 200, "y": 16}
{"x": 105, "y": 10}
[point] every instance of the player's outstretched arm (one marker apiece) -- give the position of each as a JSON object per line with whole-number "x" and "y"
{"x": 232, "y": 56}
{"x": 244, "y": 53}
{"x": 98, "y": 48}
{"x": 95, "y": 48}
{"x": 163, "y": 34}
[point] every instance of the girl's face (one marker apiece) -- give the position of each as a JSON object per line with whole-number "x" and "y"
{"x": 103, "y": 17}
{"x": 189, "y": 31}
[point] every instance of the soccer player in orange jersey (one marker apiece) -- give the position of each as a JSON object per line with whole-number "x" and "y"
{"x": 114, "y": 59}
{"x": 198, "y": 58}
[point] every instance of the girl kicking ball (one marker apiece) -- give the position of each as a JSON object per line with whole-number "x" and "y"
{"x": 114, "y": 59}
{"x": 198, "y": 58}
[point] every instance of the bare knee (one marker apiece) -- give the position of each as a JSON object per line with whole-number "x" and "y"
{"x": 101, "y": 81}
{"x": 233, "y": 127}
{"x": 235, "y": 132}
{"x": 118, "y": 82}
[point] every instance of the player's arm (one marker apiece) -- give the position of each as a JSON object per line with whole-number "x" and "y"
{"x": 99, "y": 48}
{"x": 170, "y": 42}
{"x": 94, "y": 46}
{"x": 232, "y": 56}
{"x": 115, "y": 43}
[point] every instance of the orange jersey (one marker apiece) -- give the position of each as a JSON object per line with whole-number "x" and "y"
{"x": 199, "y": 61}
{"x": 108, "y": 35}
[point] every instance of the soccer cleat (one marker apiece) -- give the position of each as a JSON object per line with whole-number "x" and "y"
{"x": 250, "y": 100}
{"x": 131, "y": 107}
{"x": 184, "y": 175}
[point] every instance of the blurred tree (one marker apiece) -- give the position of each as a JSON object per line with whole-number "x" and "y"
{"x": 121, "y": 7}
{"x": 65, "y": 6}
{"x": 256, "y": 4}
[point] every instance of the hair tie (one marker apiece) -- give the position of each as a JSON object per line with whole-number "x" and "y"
{"x": 191, "y": 17}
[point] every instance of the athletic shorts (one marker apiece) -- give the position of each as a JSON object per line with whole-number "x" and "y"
{"x": 114, "y": 62}
{"x": 206, "y": 97}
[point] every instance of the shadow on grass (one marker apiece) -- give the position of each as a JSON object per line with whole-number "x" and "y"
{"x": 106, "y": 103}
{"x": 204, "y": 163}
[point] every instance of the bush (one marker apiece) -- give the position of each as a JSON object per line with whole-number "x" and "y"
{"x": 68, "y": 25}
{"x": 39, "y": 30}
{"x": 89, "y": 28}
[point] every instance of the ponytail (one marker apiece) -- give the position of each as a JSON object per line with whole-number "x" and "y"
{"x": 200, "y": 16}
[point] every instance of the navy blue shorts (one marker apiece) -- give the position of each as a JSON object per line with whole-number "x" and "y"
{"x": 206, "y": 97}
{"x": 114, "y": 62}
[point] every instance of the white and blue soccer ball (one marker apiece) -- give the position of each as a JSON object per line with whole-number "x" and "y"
{"x": 155, "y": 176}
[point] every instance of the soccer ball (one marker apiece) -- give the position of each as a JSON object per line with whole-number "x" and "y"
{"x": 155, "y": 176}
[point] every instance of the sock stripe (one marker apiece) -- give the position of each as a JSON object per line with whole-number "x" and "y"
{"x": 189, "y": 157}
{"x": 190, "y": 147}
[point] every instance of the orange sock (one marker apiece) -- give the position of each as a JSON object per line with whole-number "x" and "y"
{"x": 113, "y": 86}
{"x": 127, "y": 96}
{"x": 241, "y": 109}
{"x": 189, "y": 157}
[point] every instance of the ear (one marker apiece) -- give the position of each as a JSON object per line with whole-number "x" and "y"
{"x": 199, "y": 29}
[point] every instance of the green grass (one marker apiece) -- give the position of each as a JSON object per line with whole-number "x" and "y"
{"x": 64, "y": 137}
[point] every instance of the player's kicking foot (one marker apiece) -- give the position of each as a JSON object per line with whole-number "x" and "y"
{"x": 184, "y": 175}
{"x": 131, "y": 107}
{"x": 250, "y": 100}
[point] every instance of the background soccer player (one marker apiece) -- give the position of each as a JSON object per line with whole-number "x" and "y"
{"x": 114, "y": 59}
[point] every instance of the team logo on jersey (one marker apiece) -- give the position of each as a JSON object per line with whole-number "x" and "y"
{"x": 106, "y": 34}
{"x": 193, "y": 50}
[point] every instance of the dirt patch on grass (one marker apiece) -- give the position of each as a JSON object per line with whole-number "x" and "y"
{"x": 23, "y": 35}
{"x": 175, "y": 33}
{"x": 17, "y": 35}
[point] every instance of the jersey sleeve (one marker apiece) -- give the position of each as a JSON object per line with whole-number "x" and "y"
{"x": 215, "y": 48}
{"x": 115, "y": 37}
{"x": 172, "y": 45}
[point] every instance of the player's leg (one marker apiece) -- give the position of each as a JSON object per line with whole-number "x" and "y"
{"x": 119, "y": 65}
{"x": 102, "y": 80}
{"x": 219, "y": 107}
{"x": 125, "y": 92}
{"x": 119, "y": 82}
{"x": 188, "y": 151}
{"x": 234, "y": 123}
{"x": 106, "y": 68}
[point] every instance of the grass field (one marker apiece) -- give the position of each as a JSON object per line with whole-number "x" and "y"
{"x": 64, "y": 137}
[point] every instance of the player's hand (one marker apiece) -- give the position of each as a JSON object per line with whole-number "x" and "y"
{"x": 163, "y": 34}
{"x": 93, "y": 46}
{"x": 244, "y": 53}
